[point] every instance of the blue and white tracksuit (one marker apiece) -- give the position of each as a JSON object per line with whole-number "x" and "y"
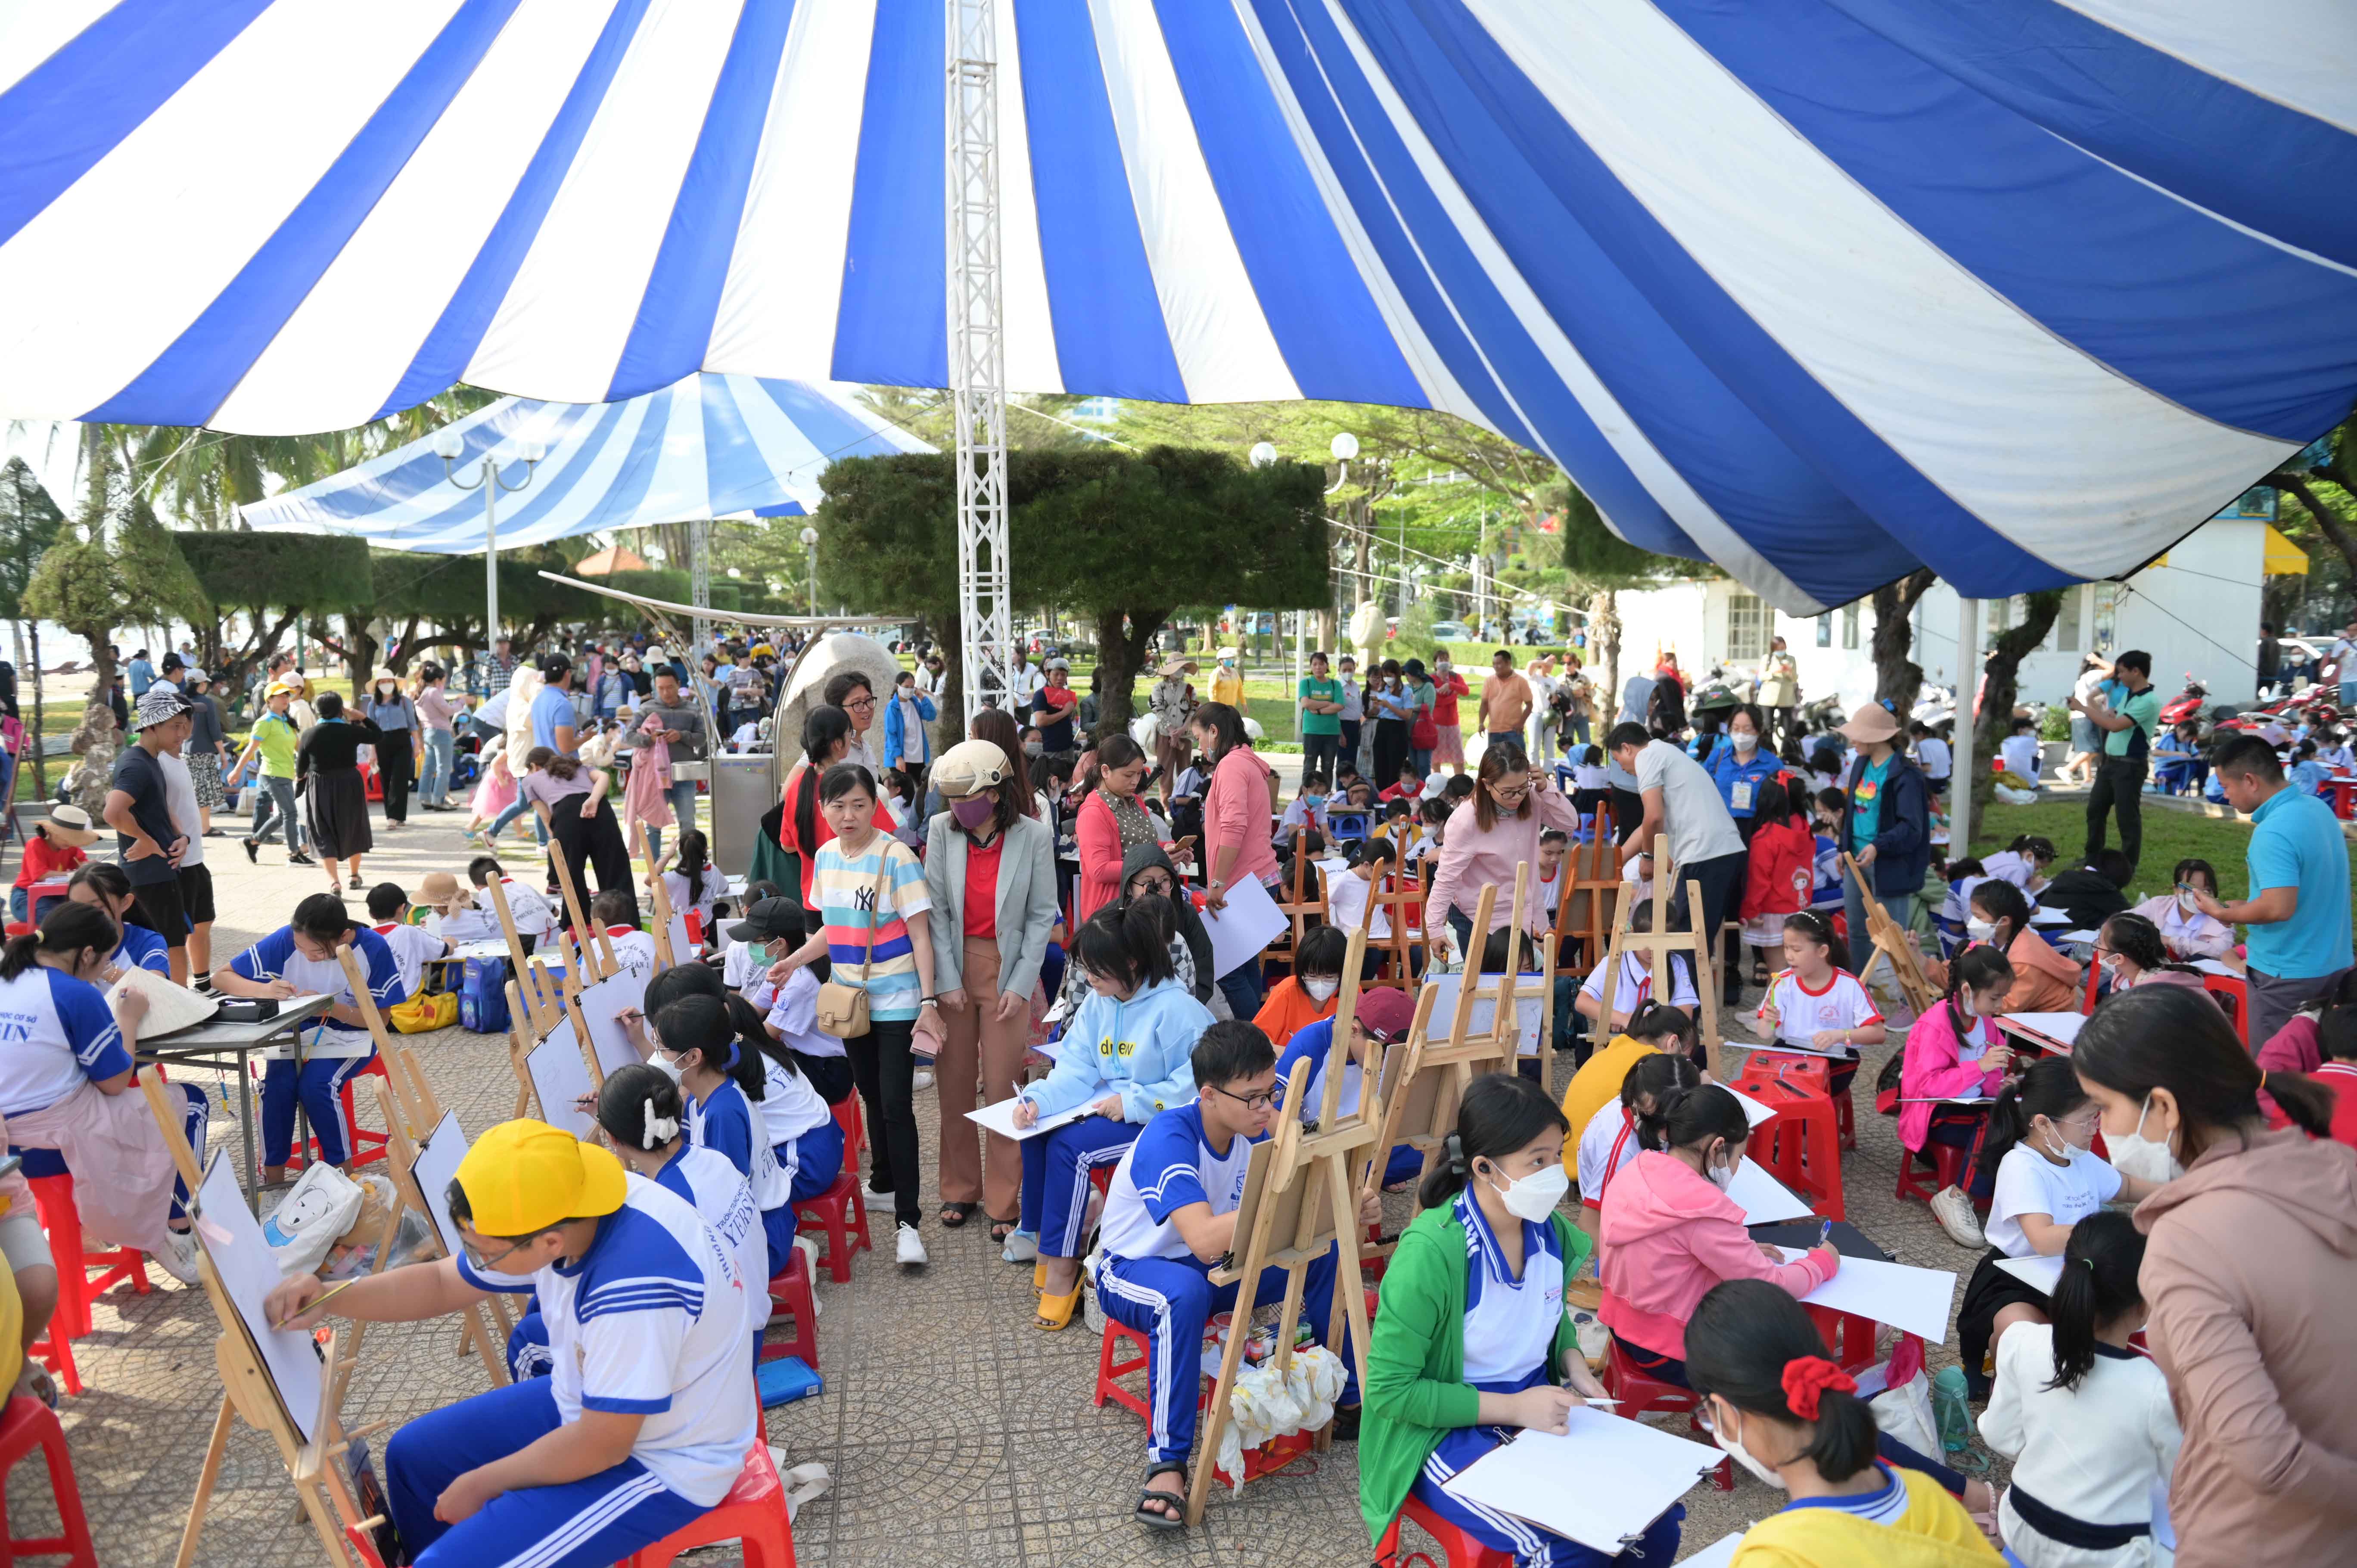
{"x": 728, "y": 1124}
{"x": 332, "y": 1052}
{"x": 1141, "y": 1049}
{"x": 1149, "y": 1280}
{"x": 1510, "y": 1332}
{"x": 649, "y": 1321}
{"x": 724, "y": 1199}
{"x": 1310, "y": 1044}
{"x": 802, "y": 1132}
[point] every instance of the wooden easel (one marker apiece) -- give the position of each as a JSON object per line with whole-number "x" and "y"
{"x": 660, "y": 895}
{"x": 1422, "y": 1080}
{"x": 1699, "y": 946}
{"x": 1893, "y": 944}
{"x": 1300, "y": 1199}
{"x": 400, "y": 1159}
{"x": 519, "y": 964}
{"x": 597, "y": 960}
{"x": 248, "y": 1389}
{"x": 1591, "y": 895}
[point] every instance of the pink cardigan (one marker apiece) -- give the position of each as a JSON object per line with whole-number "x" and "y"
{"x": 1470, "y": 857}
{"x": 1932, "y": 1069}
{"x": 1236, "y": 811}
{"x": 1667, "y": 1236}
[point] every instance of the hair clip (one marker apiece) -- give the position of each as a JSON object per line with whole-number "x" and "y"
{"x": 1455, "y": 1149}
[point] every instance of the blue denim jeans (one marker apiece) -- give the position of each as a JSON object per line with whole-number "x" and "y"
{"x": 517, "y": 808}
{"x": 681, "y": 796}
{"x": 434, "y": 774}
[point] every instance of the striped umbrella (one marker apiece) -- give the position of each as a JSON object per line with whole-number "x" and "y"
{"x": 1822, "y": 290}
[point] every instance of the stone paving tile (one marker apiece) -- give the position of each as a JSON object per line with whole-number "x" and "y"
{"x": 957, "y": 1431}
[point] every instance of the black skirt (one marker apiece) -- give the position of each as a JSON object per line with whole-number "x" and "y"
{"x": 1987, "y": 1292}
{"x": 336, "y": 806}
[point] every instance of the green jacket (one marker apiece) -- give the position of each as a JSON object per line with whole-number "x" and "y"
{"x": 1416, "y": 1358}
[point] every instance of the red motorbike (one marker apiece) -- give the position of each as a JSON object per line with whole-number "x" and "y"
{"x": 2186, "y": 705}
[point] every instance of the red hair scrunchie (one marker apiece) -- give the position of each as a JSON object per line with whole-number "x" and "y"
{"x": 1807, "y": 1379}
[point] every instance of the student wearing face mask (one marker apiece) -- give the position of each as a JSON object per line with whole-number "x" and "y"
{"x": 1670, "y": 1231}
{"x": 1309, "y": 994}
{"x": 2044, "y": 1181}
{"x": 1790, "y": 1416}
{"x": 1997, "y": 915}
{"x": 1956, "y": 1050}
{"x": 2129, "y": 951}
{"x": 2249, "y": 1252}
{"x": 2085, "y": 1419}
{"x": 2184, "y": 928}
{"x": 1125, "y": 1055}
{"x": 698, "y": 1046}
{"x": 1472, "y": 1345}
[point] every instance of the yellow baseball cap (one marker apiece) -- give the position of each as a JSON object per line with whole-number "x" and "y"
{"x": 522, "y": 1176}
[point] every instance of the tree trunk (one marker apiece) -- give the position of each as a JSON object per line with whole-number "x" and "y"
{"x": 2004, "y": 671}
{"x": 1125, "y": 638}
{"x": 1898, "y": 679}
{"x": 1604, "y": 648}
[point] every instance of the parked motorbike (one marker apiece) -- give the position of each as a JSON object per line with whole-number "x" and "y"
{"x": 2186, "y": 705}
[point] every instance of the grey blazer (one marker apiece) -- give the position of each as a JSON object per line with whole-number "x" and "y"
{"x": 1026, "y": 901}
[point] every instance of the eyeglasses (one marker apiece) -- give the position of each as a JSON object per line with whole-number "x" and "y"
{"x": 1265, "y": 1099}
{"x": 483, "y": 1262}
{"x": 859, "y": 703}
{"x": 1155, "y": 884}
{"x": 1509, "y": 791}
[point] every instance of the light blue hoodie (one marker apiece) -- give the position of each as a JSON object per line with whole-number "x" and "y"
{"x": 1141, "y": 1049}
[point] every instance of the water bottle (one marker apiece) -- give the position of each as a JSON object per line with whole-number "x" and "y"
{"x": 1950, "y": 1411}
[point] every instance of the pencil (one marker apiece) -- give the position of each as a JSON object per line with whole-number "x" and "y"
{"x": 323, "y": 1299}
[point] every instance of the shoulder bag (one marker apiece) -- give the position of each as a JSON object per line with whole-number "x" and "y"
{"x": 843, "y": 1007}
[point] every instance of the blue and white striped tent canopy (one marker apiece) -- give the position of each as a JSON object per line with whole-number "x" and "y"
{"x": 710, "y": 446}
{"x": 1822, "y": 290}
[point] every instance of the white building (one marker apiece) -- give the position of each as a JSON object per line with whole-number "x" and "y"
{"x": 2195, "y": 609}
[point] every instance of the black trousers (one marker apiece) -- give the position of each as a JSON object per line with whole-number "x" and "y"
{"x": 2119, "y": 787}
{"x": 1391, "y": 750}
{"x": 594, "y": 847}
{"x": 886, "y": 1072}
{"x": 396, "y": 771}
{"x": 1722, "y": 892}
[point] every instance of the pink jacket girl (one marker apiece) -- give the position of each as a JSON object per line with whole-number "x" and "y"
{"x": 1955, "y": 1048}
{"x": 1670, "y": 1232}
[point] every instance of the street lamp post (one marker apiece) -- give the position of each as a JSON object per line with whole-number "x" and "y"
{"x": 448, "y": 446}
{"x": 810, "y": 543}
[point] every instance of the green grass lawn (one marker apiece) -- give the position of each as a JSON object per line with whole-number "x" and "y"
{"x": 2169, "y": 836}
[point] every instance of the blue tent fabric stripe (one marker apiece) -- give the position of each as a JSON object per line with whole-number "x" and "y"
{"x": 1971, "y": 247}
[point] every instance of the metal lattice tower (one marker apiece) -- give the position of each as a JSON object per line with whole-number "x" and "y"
{"x": 699, "y": 576}
{"x": 978, "y": 354}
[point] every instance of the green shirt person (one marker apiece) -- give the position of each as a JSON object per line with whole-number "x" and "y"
{"x": 1321, "y": 699}
{"x": 273, "y": 737}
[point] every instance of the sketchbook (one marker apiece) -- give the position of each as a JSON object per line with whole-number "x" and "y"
{"x": 999, "y": 1117}
{"x": 2037, "y": 1272}
{"x": 1601, "y": 1484}
{"x": 1912, "y": 1300}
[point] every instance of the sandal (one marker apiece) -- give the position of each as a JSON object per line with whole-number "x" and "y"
{"x": 1000, "y": 1230}
{"x": 954, "y": 1214}
{"x": 1056, "y": 1311}
{"x": 1155, "y": 1519}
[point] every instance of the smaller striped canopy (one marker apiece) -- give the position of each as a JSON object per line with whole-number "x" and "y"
{"x": 711, "y": 445}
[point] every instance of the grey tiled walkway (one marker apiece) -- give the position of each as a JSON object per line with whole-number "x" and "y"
{"x": 957, "y": 1432}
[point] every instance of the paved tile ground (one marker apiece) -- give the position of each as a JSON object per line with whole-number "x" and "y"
{"x": 957, "y": 1433}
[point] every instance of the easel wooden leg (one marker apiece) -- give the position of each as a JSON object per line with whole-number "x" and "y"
{"x": 1213, "y": 1427}
{"x": 215, "y": 1451}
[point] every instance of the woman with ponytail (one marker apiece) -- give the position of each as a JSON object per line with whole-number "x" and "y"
{"x": 1125, "y": 1055}
{"x": 1472, "y": 1345}
{"x": 699, "y": 1048}
{"x": 641, "y": 1116}
{"x": 2085, "y": 1420}
{"x": 2250, "y": 1266}
{"x": 2045, "y": 1180}
{"x": 1787, "y": 1413}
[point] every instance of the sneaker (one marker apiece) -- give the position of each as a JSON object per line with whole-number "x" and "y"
{"x": 912, "y": 1249}
{"x": 1955, "y": 1212}
{"x": 178, "y": 1259}
{"x": 253, "y": 852}
{"x": 1022, "y": 1246}
{"x": 299, "y": 858}
{"x": 922, "y": 1082}
{"x": 874, "y": 1190}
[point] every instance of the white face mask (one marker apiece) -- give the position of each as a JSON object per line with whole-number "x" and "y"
{"x": 665, "y": 1066}
{"x": 1745, "y": 740}
{"x": 1980, "y": 930}
{"x": 1322, "y": 990}
{"x": 1734, "y": 1447}
{"x": 1535, "y": 1197}
{"x": 1721, "y": 1177}
{"x": 2147, "y": 1159}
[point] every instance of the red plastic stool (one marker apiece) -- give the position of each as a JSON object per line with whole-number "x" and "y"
{"x": 26, "y": 1426}
{"x": 1461, "y": 1550}
{"x": 1846, "y": 1117}
{"x": 753, "y": 1514}
{"x": 791, "y": 1290}
{"x": 2234, "y": 994}
{"x": 842, "y": 1210}
{"x": 367, "y": 1147}
{"x": 1639, "y": 1394}
{"x": 53, "y": 1198}
{"x": 1110, "y": 1369}
{"x": 1801, "y": 1146}
{"x": 1947, "y": 1163}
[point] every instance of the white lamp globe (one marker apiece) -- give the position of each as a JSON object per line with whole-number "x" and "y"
{"x": 1345, "y": 446}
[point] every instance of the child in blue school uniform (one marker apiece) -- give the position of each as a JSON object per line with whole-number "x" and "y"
{"x": 1170, "y": 1218}
{"x": 1381, "y": 1016}
{"x": 101, "y": 883}
{"x": 699, "y": 1048}
{"x": 646, "y": 1315}
{"x": 301, "y": 958}
{"x": 1126, "y": 1053}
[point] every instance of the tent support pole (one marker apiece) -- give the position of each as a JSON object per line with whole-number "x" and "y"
{"x": 699, "y": 574}
{"x": 491, "y": 555}
{"x": 1960, "y": 776}
{"x": 977, "y": 357}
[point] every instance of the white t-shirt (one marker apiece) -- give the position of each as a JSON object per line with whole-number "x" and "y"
{"x": 1699, "y": 828}
{"x": 708, "y": 891}
{"x": 653, "y": 1319}
{"x": 1800, "y": 1013}
{"x": 60, "y": 1034}
{"x": 1607, "y": 1142}
{"x": 742, "y": 964}
{"x": 2029, "y": 1183}
{"x": 1588, "y": 776}
{"x": 2007, "y": 866}
{"x": 1636, "y": 986}
{"x": 1168, "y": 1168}
{"x": 1931, "y": 753}
{"x": 412, "y": 947}
{"x": 180, "y": 799}
{"x": 533, "y": 916}
{"x": 790, "y": 1106}
{"x": 793, "y": 1012}
{"x": 635, "y": 949}
{"x": 2021, "y": 754}
{"x": 2102, "y": 1452}
{"x": 1346, "y": 896}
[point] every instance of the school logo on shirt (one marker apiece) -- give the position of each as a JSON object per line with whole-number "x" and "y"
{"x": 1828, "y": 1015}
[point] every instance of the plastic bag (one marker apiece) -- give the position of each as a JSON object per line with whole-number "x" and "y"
{"x": 307, "y": 1224}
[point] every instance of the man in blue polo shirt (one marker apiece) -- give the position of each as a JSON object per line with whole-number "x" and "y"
{"x": 2298, "y": 909}
{"x": 302, "y": 958}
{"x": 554, "y": 724}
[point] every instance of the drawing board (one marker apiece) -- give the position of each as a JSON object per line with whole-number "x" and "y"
{"x": 232, "y": 1239}
{"x": 560, "y": 1079}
